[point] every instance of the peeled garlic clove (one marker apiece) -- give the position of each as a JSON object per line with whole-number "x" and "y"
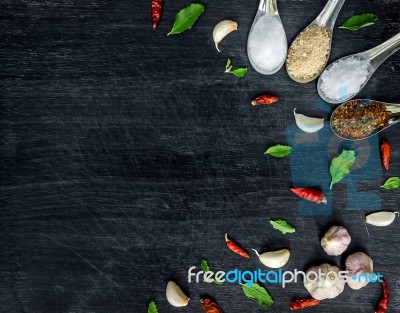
{"x": 175, "y": 295}
{"x": 326, "y": 286}
{"x": 222, "y": 29}
{"x": 357, "y": 264}
{"x": 274, "y": 259}
{"x": 383, "y": 218}
{"x": 336, "y": 240}
{"x": 308, "y": 124}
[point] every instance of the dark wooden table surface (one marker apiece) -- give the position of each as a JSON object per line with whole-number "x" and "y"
{"x": 126, "y": 155}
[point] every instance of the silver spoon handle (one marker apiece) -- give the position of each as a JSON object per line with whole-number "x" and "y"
{"x": 329, "y": 14}
{"x": 268, "y": 6}
{"x": 380, "y": 53}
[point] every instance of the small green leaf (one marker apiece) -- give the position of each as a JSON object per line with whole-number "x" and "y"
{"x": 258, "y": 294}
{"x": 359, "y": 21}
{"x": 392, "y": 183}
{"x": 152, "y": 308}
{"x": 206, "y": 268}
{"x": 239, "y": 72}
{"x": 279, "y": 151}
{"x": 228, "y": 64}
{"x": 282, "y": 226}
{"x": 340, "y": 166}
{"x": 186, "y": 18}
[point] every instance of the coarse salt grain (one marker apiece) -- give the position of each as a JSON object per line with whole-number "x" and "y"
{"x": 344, "y": 78}
{"x": 267, "y": 44}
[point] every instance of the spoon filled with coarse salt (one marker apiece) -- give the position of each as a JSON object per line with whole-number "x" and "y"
{"x": 310, "y": 50}
{"x": 267, "y": 43}
{"x": 363, "y": 118}
{"x": 345, "y": 78}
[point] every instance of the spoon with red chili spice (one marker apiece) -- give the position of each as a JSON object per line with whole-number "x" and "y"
{"x": 363, "y": 118}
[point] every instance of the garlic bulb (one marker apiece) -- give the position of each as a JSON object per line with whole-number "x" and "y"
{"x": 175, "y": 295}
{"x": 383, "y": 218}
{"x": 274, "y": 259}
{"x": 336, "y": 240}
{"x": 356, "y": 264}
{"x": 308, "y": 124}
{"x": 324, "y": 287}
{"x": 222, "y": 29}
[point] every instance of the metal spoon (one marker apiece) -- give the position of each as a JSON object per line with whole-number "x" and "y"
{"x": 267, "y": 7}
{"x": 392, "y": 109}
{"x": 375, "y": 57}
{"x": 325, "y": 19}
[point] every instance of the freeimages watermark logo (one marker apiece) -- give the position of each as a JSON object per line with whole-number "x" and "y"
{"x": 277, "y": 277}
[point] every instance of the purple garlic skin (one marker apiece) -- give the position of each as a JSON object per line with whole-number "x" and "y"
{"x": 336, "y": 240}
{"x": 356, "y": 264}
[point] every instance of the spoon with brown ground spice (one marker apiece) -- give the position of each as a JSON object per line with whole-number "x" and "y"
{"x": 363, "y": 118}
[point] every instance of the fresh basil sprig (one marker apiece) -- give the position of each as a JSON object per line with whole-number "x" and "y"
{"x": 392, "y": 183}
{"x": 340, "y": 166}
{"x": 186, "y": 18}
{"x": 283, "y": 226}
{"x": 359, "y": 21}
{"x": 258, "y": 294}
{"x": 279, "y": 151}
{"x": 239, "y": 72}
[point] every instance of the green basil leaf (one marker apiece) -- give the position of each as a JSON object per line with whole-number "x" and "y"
{"x": 340, "y": 166}
{"x": 279, "y": 151}
{"x": 359, "y": 21}
{"x": 258, "y": 294}
{"x": 204, "y": 266}
{"x": 392, "y": 183}
{"x": 282, "y": 226}
{"x": 186, "y": 18}
{"x": 228, "y": 64}
{"x": 152, "y": 308}
{"x": 239, "y": 72}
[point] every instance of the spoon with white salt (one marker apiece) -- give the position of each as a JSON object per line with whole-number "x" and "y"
{"x": 267, "y": 43}
{"x": 310, "y": 50}
{"x": 345, "y": 78}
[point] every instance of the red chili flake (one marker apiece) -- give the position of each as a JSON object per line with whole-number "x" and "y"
{"x": 385, "y": 154}
{"x": 156, "y": 11}
{"x": 235, "y": 248}
{"x": 264, "y": 99}
{"x": 303, "y": 303}
{"x": 310, "y": 194}
{"x": 210, "y": 306}
{"x": 383, "y": 302}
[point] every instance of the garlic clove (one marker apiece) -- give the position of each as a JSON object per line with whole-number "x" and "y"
{"x": 175, "y": 295}
{"x": 274, "y": 259}
{"x": 383, "y": 218}
{"x": 222, "y": 29}
{"x": 308, "y": 124}
{"x": 356, "y": 264}
{"x": 336, "y": 240}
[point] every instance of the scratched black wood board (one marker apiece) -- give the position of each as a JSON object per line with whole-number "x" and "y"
{"x": 126, "y": 155}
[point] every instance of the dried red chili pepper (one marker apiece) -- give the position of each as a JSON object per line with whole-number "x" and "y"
{"x": 385, "y": 154}
{"x": 156, "y": 11}
{"x": 264, "y": 99}
{"x": 383, "y": 302}
{"x": 235, "y": 248}
{"x": 210, "y": 306}
{"x": 303, "y": 303}
{"x": 310, "y": 194}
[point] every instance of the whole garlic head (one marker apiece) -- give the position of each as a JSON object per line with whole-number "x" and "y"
{"x": 356, "y": 264}
{"x": 336, "y": 240}
{"x": 328, "y": 286}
